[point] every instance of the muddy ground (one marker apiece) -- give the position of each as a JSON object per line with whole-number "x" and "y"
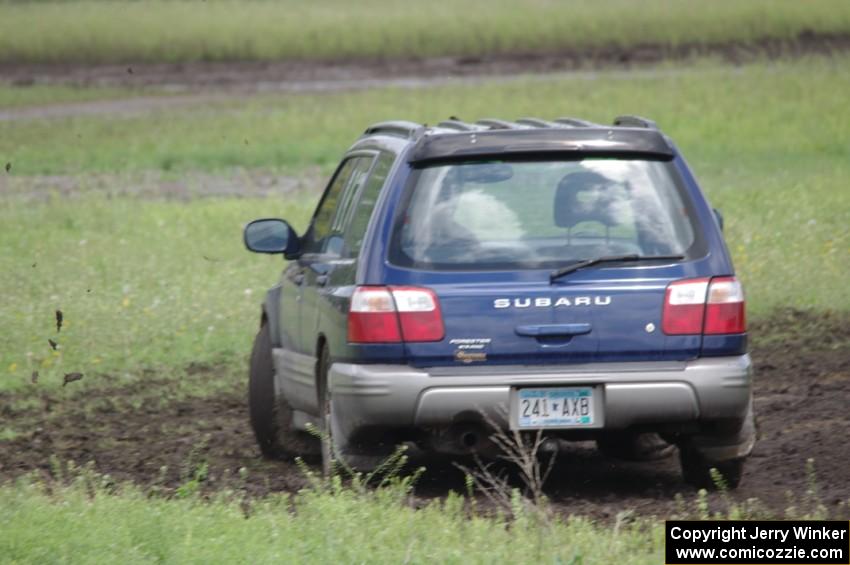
{"x": 264, "y": 75}
{"x": 135, "y": 432}
{"x": 191, "y": 84}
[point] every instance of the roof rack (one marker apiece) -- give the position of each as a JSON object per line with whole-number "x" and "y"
{"x": 493, "y": 123}
{"x": 459, "y": 125}
{"x": 399, "y": 128}
{"x": 634, "y": 122}
{"x": 537, "y": 123}
{"x": 574, "y": 122}
{"x": 411, "y": 130}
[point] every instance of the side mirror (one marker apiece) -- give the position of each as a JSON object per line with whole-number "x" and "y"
{"x": 719, "y": 217}
{"x": 271, "y": 236}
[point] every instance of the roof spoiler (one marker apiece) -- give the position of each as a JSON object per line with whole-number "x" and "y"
{"x": 570, "y": 143}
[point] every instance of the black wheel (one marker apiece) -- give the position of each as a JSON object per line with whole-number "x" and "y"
{"x": 697, "y": 471}
{"x": 271, "y": 416}
{"x": 336, "y": 452}
{"x": 631, "y": 446}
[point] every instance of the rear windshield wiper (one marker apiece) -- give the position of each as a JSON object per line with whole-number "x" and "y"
{"x": 608, "y": 259}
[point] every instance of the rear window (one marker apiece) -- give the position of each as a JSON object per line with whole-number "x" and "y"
{"x": 539, "y": 214}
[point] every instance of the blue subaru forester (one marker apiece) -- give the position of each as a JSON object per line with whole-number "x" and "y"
{"x": 557, "y": 276}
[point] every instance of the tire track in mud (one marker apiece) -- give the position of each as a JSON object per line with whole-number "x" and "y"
{"x": 193, "y": 83}
{"x": 142, "y": 105}
{"x": 802, "y": 365}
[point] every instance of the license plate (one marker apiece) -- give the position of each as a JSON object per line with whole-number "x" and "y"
{"x": 555, "y": 407}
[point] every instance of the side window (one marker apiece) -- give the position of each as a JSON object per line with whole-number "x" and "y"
{"x": 366, "y": 204}
{"x": 349, "y": 197}
{"x": 321, "y": 226}
{"x": 328, "y": 222}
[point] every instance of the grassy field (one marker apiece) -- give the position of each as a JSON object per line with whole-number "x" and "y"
{"x": 216, "y": 30}
{"x": 68, "y": 521}
{"x": 719, "y": 115}
{"x": 153, "y": 284}
{"x": 71, "y": 525}
{"x": 139, "y": 283}
{"x": 150, "y": 283}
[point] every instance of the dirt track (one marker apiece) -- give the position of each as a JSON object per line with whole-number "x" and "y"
{"x": 167, "y": 86}
{"x": 146, "y": 104}
{"x": 802, "y": 392}
{"x": 270, "y": 75}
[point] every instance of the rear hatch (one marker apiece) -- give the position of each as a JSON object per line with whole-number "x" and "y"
{"x": 526, "y": 323}
{"x": 486, "y": 238}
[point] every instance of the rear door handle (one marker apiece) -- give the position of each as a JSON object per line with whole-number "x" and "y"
{"x": 553, "y": 330}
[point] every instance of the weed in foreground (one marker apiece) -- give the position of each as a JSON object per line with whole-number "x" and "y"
{"x": 524, "y": 451}
{"x": 361, "y": 520}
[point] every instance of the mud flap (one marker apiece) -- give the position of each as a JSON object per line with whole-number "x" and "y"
{"x": 724, "y": 448}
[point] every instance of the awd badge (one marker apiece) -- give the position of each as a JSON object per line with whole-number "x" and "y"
{"x": 470, "y": 350}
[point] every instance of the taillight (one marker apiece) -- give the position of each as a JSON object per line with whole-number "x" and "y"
{"x": 372, "y": 317}
{"x": 418, "y": 313}
{"x": 704, "y": 306}
{"x": 684, "y": 307}
{"x": 394, "y": 314}
{"x": 724, "y": 309}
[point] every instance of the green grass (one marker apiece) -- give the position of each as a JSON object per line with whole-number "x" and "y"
{"x": 767, "y": 142}
{"x": 157, "y": 284}
{"x": 85, "y": 524}
{"x": 760, "y": 115}
{"x": 80, "y": 516}
{"x": 95, "y": 31}
{"x": 140, "y": 283}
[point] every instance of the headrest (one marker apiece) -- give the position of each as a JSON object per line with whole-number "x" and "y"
{"x": 571, "y": 208}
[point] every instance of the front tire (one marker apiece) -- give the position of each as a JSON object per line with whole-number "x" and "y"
{"x": 328, "y": 448}
{"x": 271, "y": 416}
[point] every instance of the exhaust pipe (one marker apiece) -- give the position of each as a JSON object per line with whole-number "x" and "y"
{"x": 469, "y": 439}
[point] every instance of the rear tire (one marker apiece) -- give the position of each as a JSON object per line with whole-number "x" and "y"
{"x": 697, "y": 471}
{"x": 271, "y": 416}
{"x": 334, "y": 451}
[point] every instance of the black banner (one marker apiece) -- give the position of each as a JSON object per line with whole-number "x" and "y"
{"x": 692, "y": 542}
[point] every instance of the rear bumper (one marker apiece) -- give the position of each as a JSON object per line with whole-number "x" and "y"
{"x": 632, "y": 394}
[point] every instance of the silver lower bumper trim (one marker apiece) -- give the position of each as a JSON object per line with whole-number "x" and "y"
{"x": 398, "y": 396}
